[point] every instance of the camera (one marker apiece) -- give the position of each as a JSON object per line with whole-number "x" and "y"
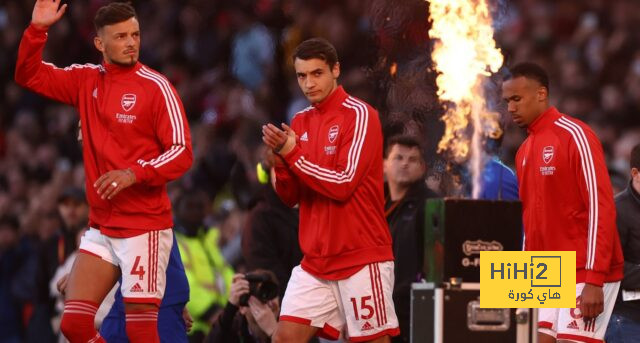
{"x": 260, "y": 286}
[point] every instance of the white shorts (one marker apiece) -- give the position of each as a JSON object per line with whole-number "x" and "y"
{"x": 362, "y": 301}
{"x": 142, "y": 260}
{"x": 568, "y": 323}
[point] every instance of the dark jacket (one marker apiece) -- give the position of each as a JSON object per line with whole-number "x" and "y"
{"x": 406, "y": 221}
{"x": 628, "y": 221}
{"x": 232, "y": 327}
{"x": 270, "y": 238}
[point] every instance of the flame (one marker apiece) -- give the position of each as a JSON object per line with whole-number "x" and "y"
{"x": 464, "y": 54}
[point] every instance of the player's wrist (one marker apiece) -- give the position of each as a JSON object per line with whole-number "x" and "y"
{"x": 40, "y": 26}
{"x": 131, "y": 175}
{"x": 287, "y": 147}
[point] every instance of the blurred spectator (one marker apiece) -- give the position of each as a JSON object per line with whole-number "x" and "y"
{"x": 251, "y": 322}
{"x": 53, "y": 253}
{"x": 12, "y": 255}
{"x": 624, "y": 325}
{"x": 270, "y": 236}
{"x": 406, "y": 194}
{"x": 252, "y": 48}
{"x": 208, "y": 273}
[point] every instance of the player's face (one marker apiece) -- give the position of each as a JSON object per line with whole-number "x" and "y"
{"x": 404, "y": 165}
{"x": 316, "y": 79}
{"x": 120, "y": 42}
{"x": 526, "y": 99}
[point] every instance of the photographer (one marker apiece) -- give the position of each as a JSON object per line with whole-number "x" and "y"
{"x": 251, "y": 315}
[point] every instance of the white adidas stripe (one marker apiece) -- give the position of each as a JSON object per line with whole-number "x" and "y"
{"x": 362, "y": 118}
{"x": 175, "y": 117}
{"x": 588, "y": 170}
{"x": 75, "y": 66}
{"x": 174, "y": 110}
{"x": 594, "y": 194}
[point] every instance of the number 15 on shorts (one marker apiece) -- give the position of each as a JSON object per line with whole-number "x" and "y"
{"x": 366, "y": 310}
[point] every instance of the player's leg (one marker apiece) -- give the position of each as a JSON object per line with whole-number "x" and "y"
{"x": 547, "y": 325}
{"x": 545, "y": 338}
{"x": 93, "y": 275}
{"x": 308, "y": 308}
{"x": 143, "y": 260}
{"x": 367, "y": 303}
{"x": 288, "y": 331}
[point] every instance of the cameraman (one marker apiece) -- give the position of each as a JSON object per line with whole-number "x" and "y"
{"x": 254, "y": 322}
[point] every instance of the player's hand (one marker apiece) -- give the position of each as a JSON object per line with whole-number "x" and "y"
{"x": 61, "y": 285}
{"x": 111, "y": 183}
{"x": 263, "y": 315}
{"x": 281, "y": 141}
{"x": 291, "y": 140}
{"x": 273, "y": 137}
{"x": 239, "y": 286}
{"x": 188, "y": 320}
{"x": 46, "y": 13}
{"x": 592, "y": 301}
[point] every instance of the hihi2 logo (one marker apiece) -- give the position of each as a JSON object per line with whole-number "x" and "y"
{"x": 536, "y": 279}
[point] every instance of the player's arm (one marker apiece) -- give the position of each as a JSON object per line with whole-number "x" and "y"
{"x": 172, "y": 131}
{"x": 587, "y": 161}
{"x": 353, "y": 159}
{"x": 35, "y": 74}
{"x": 287, "y": 185}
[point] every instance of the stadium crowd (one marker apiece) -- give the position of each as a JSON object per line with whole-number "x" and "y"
{"x": 230, "y": 62}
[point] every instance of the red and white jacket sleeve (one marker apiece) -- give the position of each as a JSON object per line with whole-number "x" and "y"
{"x": 354, "y": 157}
{"x": 42, "y": 77}
{"x": 172, "y": 131}
{"x": 287, "y": 184}
{"x": 587, "y": 159}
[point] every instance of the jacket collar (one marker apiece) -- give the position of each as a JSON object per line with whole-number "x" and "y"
{"x": 544, "y": 120}
{"x": 417, "y": 191}
{"x": 332, "y": 100}
{"x": 633, "y": 192}
{"x": 115, "y": 69}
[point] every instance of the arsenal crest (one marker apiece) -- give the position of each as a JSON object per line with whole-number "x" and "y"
{"x": 333, "y": 133}
{"x": 128, "y": 101}
{"x": 547, "y": 154}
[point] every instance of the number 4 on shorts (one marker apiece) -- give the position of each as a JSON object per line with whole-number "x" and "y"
{"x": 137, "y": 270}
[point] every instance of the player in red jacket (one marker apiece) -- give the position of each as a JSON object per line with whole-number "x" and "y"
{"x": 135, "y": 140}
{"x": 331, "y": 165}
{"x": 567, "y": 204}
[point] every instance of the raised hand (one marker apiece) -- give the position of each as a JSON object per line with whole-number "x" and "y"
{"x": 46, "y": 13}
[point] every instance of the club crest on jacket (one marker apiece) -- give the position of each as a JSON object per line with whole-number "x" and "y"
{"x": 547, "y": 154}
{"x": 333, "y": 133}
{"x": 128, "y": 101}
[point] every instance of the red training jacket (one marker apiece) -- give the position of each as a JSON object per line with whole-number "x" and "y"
{"x": 335, "y": 174}
{"x": 567, "y": 198}
{"x": 131, "y": 118}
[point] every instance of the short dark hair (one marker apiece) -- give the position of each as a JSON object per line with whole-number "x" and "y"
{"x": 113, "y": 13}
{"x": 316, "y": 48}
{"x": 404, "y": 140}
{"x": 634, "y": 160}
{"x": 531, "y": 71}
